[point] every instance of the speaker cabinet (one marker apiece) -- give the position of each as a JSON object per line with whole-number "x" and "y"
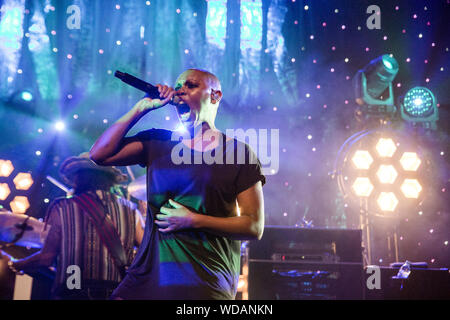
{"x": 295, "y": 263}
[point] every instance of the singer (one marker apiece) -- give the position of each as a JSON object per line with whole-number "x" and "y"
{"x": 197, "y": 212}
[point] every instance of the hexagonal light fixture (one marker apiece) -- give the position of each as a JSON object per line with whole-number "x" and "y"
{"x": 387, "y": 174}
{"x": 362, "y": 159}
{"x": 19, "y": 204}
{"x": 387, "y": 201}
{"x": 6, "y": 167}
{"x": 4, "y": 191}
{"x": 386, "y": 147}
{"x": 362, "y": 187}
{"x": 23, "y": 181}
{"x": 410, "y": 161}
{"x": 411, "y": 188}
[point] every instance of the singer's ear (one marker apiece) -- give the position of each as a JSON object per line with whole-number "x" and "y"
{"x": 216, "y": 96}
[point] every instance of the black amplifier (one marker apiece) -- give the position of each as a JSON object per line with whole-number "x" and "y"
{"x": 297, "y": 263}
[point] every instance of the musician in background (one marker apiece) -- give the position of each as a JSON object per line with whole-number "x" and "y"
{"x": 92, "y": 233}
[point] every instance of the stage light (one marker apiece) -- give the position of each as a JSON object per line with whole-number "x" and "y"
{"x": 387, "y": 201}
{"x": 387, "y": 174}
{"x": 19, "y": 204}
{"x": 388, "y": 64}
{"x": 410, "y": 161}
{"x": 378, "y": 171}
{"x": 418, "y": 102}
{"x": 23, "y": 181}
{"x": 380, "y": 75}
{"x": 181, "y": 128}
{"x": 371, "y": 82}
{"x": 362, "y": 187}
{"x": 4, "y": 191}
{"x": 386, "y": 147}
{"x": 241, "y": 283}
{"x": 26, "y": 96}
{"x": 6, "y": 167}
{"x": 411, "y": 188}
{"x": 22, "y": 100}
{"x": 60, "y": 125}
{"x": 419, "y": 106}
{"x": 362, "y": 159}
{"x": 379, "y": 174}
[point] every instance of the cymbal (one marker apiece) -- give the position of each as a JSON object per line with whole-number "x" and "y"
{"x": 138, "y": 188}
{"x": 12, "y": 224}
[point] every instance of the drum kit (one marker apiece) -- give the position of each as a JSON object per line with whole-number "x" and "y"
{"x": 20, "y": 235}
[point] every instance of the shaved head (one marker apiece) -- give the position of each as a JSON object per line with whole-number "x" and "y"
{"x": 210, "y": 78}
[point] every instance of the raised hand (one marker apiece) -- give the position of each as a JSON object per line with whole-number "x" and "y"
{"x": 146, "y": 104}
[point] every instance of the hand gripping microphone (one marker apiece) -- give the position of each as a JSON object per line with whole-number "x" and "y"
{"x": 148, "y": 88}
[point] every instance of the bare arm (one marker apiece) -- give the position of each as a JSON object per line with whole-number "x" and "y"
{"x": 249, "y": 225}
{"x": 113, "y": 148}
{"x": 44, "y": 257}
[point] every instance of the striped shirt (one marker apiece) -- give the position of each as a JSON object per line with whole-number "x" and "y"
{"x": 75, "y": 239}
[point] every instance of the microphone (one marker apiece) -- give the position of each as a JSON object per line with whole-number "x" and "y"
{"x": 139, "y": 84}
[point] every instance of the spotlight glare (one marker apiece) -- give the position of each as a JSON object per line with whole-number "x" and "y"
{"x": 410, "y": 161}
{"x": 60, "y": 126}
{"x": 6, "y": 167}
{"x": 386, "y": 147}
{"x": 241, "y": 284}
{"x": 387, "y": 174}
{"x": 23, "y": 181}
{"x": 181, "y": 128}
{"x": 387, "y": 64}
{"x": 26, "y": 96}
{"x": 411, "y": 188}
{"x": 19, "y": 204}
{"x": 387, "y": 201}
{"x": 362, "y": 159}
{"x": 4, "y": 191}
{"x": 362, "y": 187}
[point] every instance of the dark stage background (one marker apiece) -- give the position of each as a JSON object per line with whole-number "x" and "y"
{"x": 285, "y": 65}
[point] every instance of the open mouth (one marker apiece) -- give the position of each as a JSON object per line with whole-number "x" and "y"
{"x": 184, "y": 111}
{"x": 183, "y": 108}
